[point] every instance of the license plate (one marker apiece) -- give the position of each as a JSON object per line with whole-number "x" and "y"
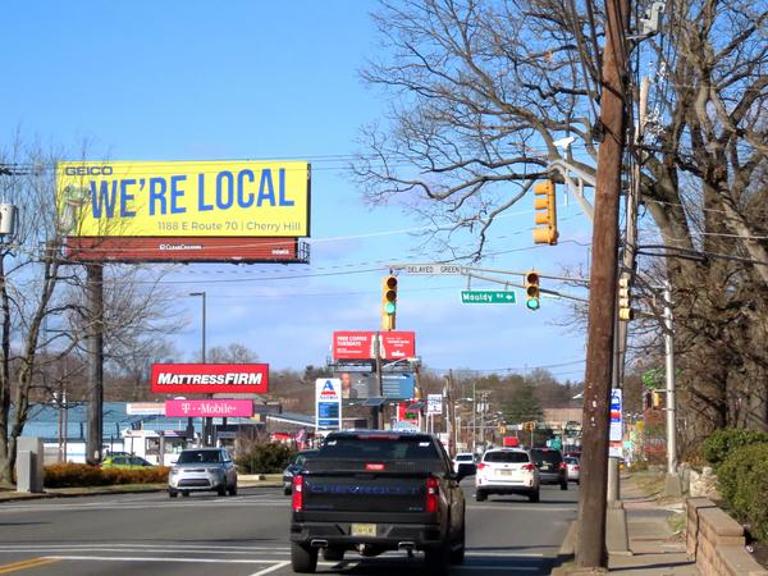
{"x": 363, "y": 530}
{"x": 505, "y": 472}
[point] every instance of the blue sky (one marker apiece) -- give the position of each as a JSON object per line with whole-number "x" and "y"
{"x": 173, "y": 80}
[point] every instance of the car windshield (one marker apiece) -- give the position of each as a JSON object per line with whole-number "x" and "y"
{"x": 379, "y": 448}
{"x": 200, "y": 457}
{"x": 464, "y": 458}
{"x": 548, "y": 456}
{"x": 571, "y": 460}
{"x": 509, "y": 457}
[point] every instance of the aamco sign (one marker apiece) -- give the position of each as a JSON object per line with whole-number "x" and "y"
{"x": 361, "y": 345}
{"x": 209, "y": 378}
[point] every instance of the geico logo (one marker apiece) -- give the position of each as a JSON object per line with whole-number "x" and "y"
{"x": 88, "y": 171}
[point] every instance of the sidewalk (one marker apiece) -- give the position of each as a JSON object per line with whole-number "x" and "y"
{"x": 655, "y": 530}
{"x": 243, "y": 481}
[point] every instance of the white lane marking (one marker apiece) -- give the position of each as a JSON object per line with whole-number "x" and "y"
{"x": 160, "y": 559}
{"x": 148, "y": 506}
{"x": 513, "y": 507}
{"x": 170, "y": 549}
{"x": 181, "y": 546}
{"x": 271, "y": 569}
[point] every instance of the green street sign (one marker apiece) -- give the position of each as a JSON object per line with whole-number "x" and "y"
{"x": 487, "y": 297}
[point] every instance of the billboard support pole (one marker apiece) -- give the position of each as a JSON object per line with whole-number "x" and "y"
{"x": 378, "y": 411}
{"x": 95, "y": 335}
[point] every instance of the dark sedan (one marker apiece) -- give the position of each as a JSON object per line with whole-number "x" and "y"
{"x": 296, "y": 464}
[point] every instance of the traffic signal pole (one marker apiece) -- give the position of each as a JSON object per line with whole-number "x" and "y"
{"x": 591, "y": 551}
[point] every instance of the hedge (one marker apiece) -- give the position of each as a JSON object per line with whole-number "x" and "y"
{"x": 76, "y": 475}
{"x": 743, "y": 482}
{"x": 722, "y": 443}
{"x": 264, "y": 458}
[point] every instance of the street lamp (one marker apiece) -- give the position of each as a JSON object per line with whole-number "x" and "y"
{"x": 207, "y": 422}
{"x": 202, "y": 350}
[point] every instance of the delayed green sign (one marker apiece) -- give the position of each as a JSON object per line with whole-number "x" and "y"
{"x": 487, "y": 297}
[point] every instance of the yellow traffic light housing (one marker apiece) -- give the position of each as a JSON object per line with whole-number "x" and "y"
{"x": 388, "y": 302}
{"x": 656, "y": 399}
{"x": 625, "y": 306}
{"x": 546, "y": 213}
{"x": 532, "y": 291}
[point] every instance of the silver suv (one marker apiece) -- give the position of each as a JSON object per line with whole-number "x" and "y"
{"x": 203, "y": 469}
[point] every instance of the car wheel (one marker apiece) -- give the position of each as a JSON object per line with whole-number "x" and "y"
{"x": 437, "y": 560}
{"x": 333, "y": 554}
{"x": 457, "y": 553}
{"x": 172, "y": 493}
{"x": 185, "y": 493}
{"x": 534, "y": 496}
{"x": 222, "y": 490}
{"x": 287, "y": 490}
{"x": 303, "y": 560}
{"x": 564, "y": 485}
{"x": 481, "y": 496}
{"x": 233, "y": 489}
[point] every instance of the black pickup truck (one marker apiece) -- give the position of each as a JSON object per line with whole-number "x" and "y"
{"x": 373, "y": 491}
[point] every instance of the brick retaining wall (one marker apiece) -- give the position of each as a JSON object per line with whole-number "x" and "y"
{"x": 716, "y": 541}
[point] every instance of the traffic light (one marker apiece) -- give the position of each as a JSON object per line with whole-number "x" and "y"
{"x": 625, "y": 311}
{"x": 532, "y": 292}
{"x": 656, "y": 399}
{"x": 546, "y": 213}
{"x": 388, "y": 302}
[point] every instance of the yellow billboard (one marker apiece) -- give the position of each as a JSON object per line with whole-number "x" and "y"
{"x": 173, "y": 199}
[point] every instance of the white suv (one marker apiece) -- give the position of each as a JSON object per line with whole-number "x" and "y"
{"x": 507, "y": 471}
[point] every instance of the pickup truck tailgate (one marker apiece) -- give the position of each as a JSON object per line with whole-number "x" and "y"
{"x": 369, "y": 492}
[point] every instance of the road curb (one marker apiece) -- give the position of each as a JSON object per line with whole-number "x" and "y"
{"x": 568, "y": 547}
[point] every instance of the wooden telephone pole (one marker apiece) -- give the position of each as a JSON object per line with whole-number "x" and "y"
{"x": 591, "y": 552}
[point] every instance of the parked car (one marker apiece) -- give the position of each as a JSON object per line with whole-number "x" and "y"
{"x": 463, "y": 458}
{"x": 573, "y": 468}
{"x": 294, "y": 466}
{"x": 507, "y": 471}
{"x": 376, "y": 491}
{"x": 552, "y": 469}
{"x": 125, "y": 461}
{"x": 203, "y": 469}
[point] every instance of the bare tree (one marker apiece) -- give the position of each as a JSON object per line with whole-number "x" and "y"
{"x": 482, "y": 91}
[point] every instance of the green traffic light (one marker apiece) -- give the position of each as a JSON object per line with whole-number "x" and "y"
{"x": 389, "y": 308}
{"x": 532, "y": 304}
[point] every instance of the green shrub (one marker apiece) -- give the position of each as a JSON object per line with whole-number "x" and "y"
{"x": 77, "y": 475}
{"x": 264, "y": 458}
{"x": 721, "y": 443}
{"x": 743, "y": 482}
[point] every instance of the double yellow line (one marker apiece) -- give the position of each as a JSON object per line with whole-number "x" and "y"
{"x": 25, "y": 564}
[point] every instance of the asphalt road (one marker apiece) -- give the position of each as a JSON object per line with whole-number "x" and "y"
{"x": 247, "y": 535}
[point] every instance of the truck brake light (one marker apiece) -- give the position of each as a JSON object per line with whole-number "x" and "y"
{"x": 433, "y": 494}
{"x": 374, "y": 467}
{"x": 297, "y": 500}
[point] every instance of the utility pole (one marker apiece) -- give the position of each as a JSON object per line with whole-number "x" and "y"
{"x": 673, "y": 481}
{"x": 95, "y": 292}
{"x": 591, "y": 552}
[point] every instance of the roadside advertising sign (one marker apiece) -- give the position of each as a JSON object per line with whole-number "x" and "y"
{"x": 145, "y": 409}
{"x": 616, "y": 430}
{"x": 356, "y": 385}
{"x": 209, "y": 408}
{"x": 210, "y": 198}
{"x": 328, "y": 403}
{"x": 361, "y": 345}
{"x": 434, "y": 404}
{"x": 182, "y": 249}
{"x": 209, "y": 378}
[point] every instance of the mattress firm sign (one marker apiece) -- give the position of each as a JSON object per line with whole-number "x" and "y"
{"x": 209, "y": 378}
